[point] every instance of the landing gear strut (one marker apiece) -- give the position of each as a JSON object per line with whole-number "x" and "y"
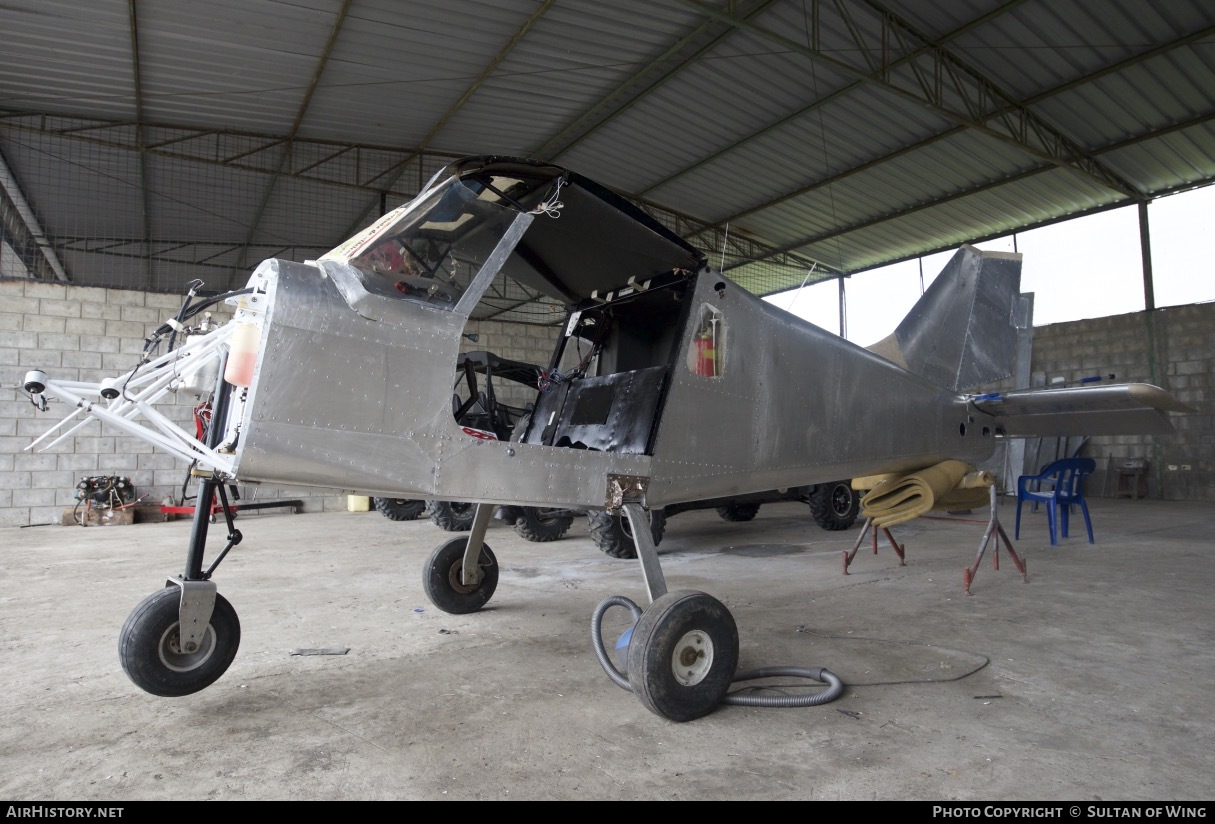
{"x": 461, "y": 574}
{"x": 182, "y": 638}
{"x": 684, "y": 649}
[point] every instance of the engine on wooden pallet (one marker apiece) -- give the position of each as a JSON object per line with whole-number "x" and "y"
{"x": 104, "y": 492}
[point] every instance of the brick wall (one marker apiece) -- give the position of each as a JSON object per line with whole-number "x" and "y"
{"x": 80, "y": 333}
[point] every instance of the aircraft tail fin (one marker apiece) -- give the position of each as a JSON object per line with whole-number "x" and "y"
{"x": 963, "y": 330}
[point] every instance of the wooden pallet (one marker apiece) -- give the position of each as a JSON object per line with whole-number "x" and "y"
{"x": 80, "y": 516}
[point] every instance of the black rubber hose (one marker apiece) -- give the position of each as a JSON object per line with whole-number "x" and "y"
{"x": 186, "y": 312}
{"x": 194, "y": 285}
{"x": 745, "y": 697}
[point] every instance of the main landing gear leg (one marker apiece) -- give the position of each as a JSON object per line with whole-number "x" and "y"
{"x": 647, "y": 553}
{"x": 683, "y": 650}
{"x": 461, "y": 574}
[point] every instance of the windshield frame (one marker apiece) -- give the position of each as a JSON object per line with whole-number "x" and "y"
{"x": 433, "y": 249}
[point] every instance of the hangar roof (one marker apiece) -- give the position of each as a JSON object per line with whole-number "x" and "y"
{"x": 148, "y": 144}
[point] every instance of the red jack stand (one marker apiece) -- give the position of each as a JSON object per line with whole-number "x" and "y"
{"x": 993, "y": 529}
{"x": 850, "y": 554}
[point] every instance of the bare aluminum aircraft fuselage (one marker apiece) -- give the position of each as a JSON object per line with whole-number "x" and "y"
{"x": 690, "y": 387}
{"x": 667, "y": 384}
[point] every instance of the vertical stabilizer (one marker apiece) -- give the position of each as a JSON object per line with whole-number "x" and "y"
{"x": 963, "y": 330}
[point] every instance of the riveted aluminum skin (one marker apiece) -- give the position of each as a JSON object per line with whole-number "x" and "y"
{"x": 795, "y": 404}
{"x": 341, "y": 400}
{"x": 683, "y": 382}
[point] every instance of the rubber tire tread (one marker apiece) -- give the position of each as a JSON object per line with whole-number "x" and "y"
{"x": 608, "y": 532}
{"x": 146, "y": 625}
{"x": 738, "y": 513}
{"x": 439, "y": 578}
{"x": 653, "y": 641}
{"x": 823, "y": 505}
{"x": 451, "y": 516}
{"x": 399, "y": 509}
{"x": 534, "y": 526}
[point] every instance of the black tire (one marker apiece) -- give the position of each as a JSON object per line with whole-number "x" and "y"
{"x": 683, "y": 655}
{"x": 541, "y": 525}
{"x": 611, "y": 533}
{"x": 149, "y": 652}
{"x": 738, "y": 512}
{"x": 835, "y": 505}
{"x": 399, "y": 509}
{"x": 441, "y": 578}
{"x": 453, "y": 516}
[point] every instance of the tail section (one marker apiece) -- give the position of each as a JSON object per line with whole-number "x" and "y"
{"x": 963, "y": 331}
{"x": 1113, "y": 409}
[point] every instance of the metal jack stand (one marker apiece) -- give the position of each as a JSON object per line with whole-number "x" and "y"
{"x": 850, "y": 554}
{"x": 993, "y": 529}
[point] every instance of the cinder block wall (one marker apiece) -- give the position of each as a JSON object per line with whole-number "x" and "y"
{"x": 81, "y": 333}
{"x": 514, "y": 341}
{"x": 1173, "y": 348}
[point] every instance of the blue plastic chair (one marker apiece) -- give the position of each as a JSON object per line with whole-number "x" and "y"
{"x": 1060, "y": 485}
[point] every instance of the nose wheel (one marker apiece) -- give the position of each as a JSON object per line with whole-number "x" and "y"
{"x": 164, "y": 660}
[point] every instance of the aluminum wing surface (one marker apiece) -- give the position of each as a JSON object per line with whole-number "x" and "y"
{"x": 1116, "y": 409}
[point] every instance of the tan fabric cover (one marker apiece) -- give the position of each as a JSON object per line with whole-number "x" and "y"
{"x": 948, "y": 486}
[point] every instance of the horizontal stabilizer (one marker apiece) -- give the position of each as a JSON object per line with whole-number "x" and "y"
{"x": 1116, "y": 409}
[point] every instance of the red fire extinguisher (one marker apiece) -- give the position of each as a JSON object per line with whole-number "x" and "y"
{"x": 706, "y": 356}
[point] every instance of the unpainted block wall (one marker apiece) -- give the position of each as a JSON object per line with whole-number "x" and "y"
{"x": 81, "y": 333}
{"x": 1173, "y": 348}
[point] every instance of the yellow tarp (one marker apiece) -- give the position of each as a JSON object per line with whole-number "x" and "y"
{"x": 948, "y": 486}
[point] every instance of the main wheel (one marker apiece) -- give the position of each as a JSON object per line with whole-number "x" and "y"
{"x": 683, "y": 655}
{"x": 542, "y": 525}
{"x": 453, "y": 516}
{"x": 443, "y": 582}
{"x": 738, "y": 512}
{"x": 612, "y": 533}
{"x": 835, "y": 505}
{"x": 149, "y": 646}
{"x": 399, "y": 509}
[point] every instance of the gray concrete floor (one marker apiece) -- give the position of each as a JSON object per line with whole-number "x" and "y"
{"x": 1092, "y": 680}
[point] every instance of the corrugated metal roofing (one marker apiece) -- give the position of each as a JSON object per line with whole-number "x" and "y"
{"x": 161, "y": 142}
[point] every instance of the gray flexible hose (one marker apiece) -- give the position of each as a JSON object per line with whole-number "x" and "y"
{"x": 605, "y": 660}
{"x": 740, "y": 698}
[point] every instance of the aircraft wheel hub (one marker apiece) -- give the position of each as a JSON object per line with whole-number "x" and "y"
{"x": 693, "y": 658}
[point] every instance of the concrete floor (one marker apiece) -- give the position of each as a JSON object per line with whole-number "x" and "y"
{"x": 1090, "y": 681}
